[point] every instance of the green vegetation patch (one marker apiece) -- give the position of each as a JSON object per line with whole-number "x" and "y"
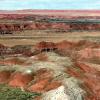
{"x": 9, "y": 93}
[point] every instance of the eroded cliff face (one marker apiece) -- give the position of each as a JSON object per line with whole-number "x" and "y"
{"x": 15, "y": 27}
{"x": 58, "y": 27}
{"x": 55, "y": 23}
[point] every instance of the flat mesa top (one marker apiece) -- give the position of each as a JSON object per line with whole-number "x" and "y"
{"x": 54, "y": 12}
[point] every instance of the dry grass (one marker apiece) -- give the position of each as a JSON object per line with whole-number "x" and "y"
{"x": 32, "y": 37}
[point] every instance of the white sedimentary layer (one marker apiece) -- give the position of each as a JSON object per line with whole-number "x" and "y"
{"x": 56, "y": 94}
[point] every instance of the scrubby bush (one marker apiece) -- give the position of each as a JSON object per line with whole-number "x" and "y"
{"x": 9, "y": 93}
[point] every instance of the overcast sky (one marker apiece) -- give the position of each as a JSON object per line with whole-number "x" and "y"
{"x": 49, "y": 4}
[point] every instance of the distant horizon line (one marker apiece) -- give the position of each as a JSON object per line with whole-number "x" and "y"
{"x": 53, "y": 12}
{"x": 52, "y": 9}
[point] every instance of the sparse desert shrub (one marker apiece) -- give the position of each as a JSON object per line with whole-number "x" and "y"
{"x": 9, "y": 93}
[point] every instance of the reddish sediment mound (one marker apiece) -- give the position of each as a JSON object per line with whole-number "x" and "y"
{"x": 89, "y": 77}
{"x": 44, "y": 81}
{"x": 20, "y": 80}
{"x": 43, "y": 73}
{"x": 63, "y": 48}
{"x": 45, "y": 46}
{"x": 85, "y": 68}
{"x": 12, "y": 61}
{"x": 39, "y": 86}
{"x": 65, "y": 45}
{"x": 4, "y": 76}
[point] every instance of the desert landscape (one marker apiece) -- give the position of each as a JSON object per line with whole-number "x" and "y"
{"x": 50, "y": 55}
